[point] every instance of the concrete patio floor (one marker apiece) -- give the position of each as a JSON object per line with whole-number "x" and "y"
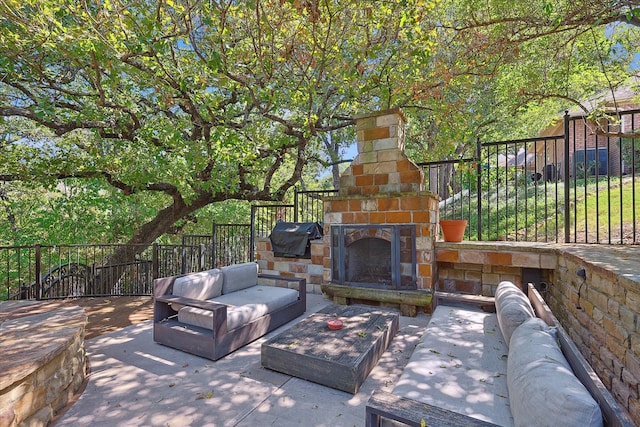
{"x": 136, "y": 382}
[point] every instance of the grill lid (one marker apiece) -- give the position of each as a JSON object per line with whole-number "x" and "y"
{"x": 291, "y": 239}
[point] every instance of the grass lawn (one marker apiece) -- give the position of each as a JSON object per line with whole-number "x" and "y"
{"x": 536, "y": 212}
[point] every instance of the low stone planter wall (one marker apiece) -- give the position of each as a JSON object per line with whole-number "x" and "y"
{"x": 43, "y": 365}
{"x": 478, "y": 267}
{"x": 311, "y": 270}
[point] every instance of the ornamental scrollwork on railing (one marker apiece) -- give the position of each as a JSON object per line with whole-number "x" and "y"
{"x": 66, "y": 280}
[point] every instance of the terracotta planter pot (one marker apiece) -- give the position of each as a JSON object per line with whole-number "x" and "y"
{"x": 453, "y": 229}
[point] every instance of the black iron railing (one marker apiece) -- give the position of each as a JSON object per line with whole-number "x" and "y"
{"x": 265, "y": 217}
{"x": 63, "y": 271}
{"x": 578, "y": 187}
{"x": 227, "y": 244}
{"x": 308, "y": 206}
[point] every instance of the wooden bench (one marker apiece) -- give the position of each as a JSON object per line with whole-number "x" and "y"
{"x": 413, "y": 412}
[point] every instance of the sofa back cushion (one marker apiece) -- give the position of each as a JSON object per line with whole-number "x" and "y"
{"x": 239, "y": 276}
{"x": 203, "y": 285}
{"x": 512, "y": 307}
{"x": 543, "y": 390}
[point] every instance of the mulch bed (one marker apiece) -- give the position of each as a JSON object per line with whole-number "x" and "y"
{"x": 105, "y": 314}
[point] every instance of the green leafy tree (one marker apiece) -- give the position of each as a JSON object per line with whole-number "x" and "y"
{"x": 504, "y": 70}
{"x": 531, "y": 60}
{"x": 182, "y": 104}
{"x": 194, "y": 102}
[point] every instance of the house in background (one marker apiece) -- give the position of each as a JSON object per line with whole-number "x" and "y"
{"x": 539, "y": 167}
{"x": 596, "y": 147}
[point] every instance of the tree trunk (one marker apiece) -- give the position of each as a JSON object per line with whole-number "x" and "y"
{"x": 444, "y": 182}
{"x": 10, "y": 216}
{"x": 124, "y": 257}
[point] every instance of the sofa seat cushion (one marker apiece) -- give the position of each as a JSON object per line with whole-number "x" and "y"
{"x": 512, "y": 307}
{"x": 239, "y": 276}
{"x": 460, "y": 365}
{"x": 543, "y": 389}
{"x": 243, "y": 306}
{"x": 202, "y": 286}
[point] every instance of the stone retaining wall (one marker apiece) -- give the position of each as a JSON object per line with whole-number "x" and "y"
{"x": 600, "y": 311}
{"x": 43, "y": 365}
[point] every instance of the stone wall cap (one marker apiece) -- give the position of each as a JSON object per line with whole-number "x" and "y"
{"x": 396, "y": 110}
{"x": 31, "y": 341}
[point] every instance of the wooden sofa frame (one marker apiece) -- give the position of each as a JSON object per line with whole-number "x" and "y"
{"x": 217, "y": 343}
{"x": 382, "y": 405}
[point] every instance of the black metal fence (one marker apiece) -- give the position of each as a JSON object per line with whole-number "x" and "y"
{"x": 227, "y": 244}
{"x": 265, "y": 217}
{"x": 577, "y": 187}
{"x": 63, "y": 271}
{"x": 60, "y": 271}
{"x": 307, "y": 206}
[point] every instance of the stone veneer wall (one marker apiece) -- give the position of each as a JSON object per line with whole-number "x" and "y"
{"x": 604, "y": 322}
{"x": 43, "y": 365}
{"x": 310, "y": 269}
{"x": 477, "y": 268}
{"x": 605, "y": 328}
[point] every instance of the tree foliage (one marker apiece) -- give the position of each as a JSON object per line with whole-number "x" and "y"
{"x": 504, "y": 70}
{"x": 180, "y": 104}
{"x": 196, "y": 101}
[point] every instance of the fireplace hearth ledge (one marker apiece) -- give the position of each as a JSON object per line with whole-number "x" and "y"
{"x": 407, "y": 301}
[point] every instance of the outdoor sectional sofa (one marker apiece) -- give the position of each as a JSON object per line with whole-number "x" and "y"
{"x": 212, "y": 313}
{"x": 513, "y": 367}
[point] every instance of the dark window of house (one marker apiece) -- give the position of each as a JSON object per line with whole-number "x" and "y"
{"x": 595, "y": 162}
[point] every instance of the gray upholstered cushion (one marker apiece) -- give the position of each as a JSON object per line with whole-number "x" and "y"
{"x": 460, "y": 364}
{"x": 543, "y": 391}
{"x": 512, "y": 307}
{"x": 239, "y": 276}
{"x": 243, "y": 306}
{"x": 203, "y": 285}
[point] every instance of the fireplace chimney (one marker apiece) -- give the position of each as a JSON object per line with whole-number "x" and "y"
{"x": 381, "y": 165}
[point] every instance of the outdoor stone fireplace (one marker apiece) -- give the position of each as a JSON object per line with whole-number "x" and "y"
{"x": 382, "y": 224}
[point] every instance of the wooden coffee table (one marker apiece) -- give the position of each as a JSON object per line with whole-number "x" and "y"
{"x": 341, "y": 359}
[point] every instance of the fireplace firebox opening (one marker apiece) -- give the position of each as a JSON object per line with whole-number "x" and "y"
{"x": 368, "y": 260}
{"x": 381, "y": 256}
